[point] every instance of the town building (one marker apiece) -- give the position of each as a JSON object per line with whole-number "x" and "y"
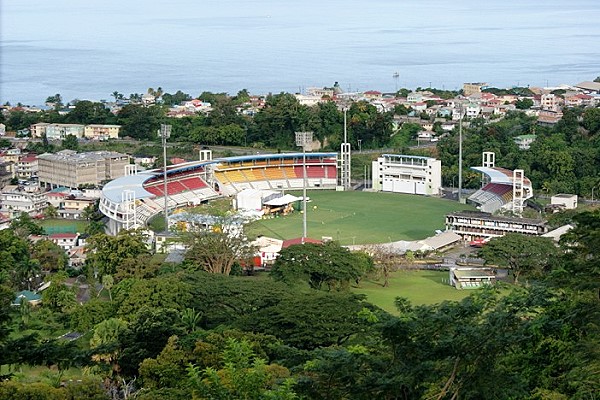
{"x": 65, "y": 241}
{"x": 70, "y": 169}
{"x": 72, "y": 207}
{"x": 61, "y": 131}
{"x": 27, "y": 167}
{"x": 15, "y": 200}
{"x": 472, "y": 225}
{"x": 524, "y": 141}
{"x": 101, "y": 132}
{"x": 407, "y": 174}
{"x": 472, "y": 88}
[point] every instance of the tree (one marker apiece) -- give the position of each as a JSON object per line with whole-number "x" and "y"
{"x": 243, "y": 376}
{"x": 524, "y": 255}
{"x": 107, "y": 253}
{"x": 14, "y": 257}
{"x": 50, "y": 212}
{"x": 88, "y": 112}
{"x": 107, "y": 283}
{"x": 582, "y": 266}
{"x": 50, "y": 256}
{"x": 24, "y": 226}
{"x": 216, "y": 252}
{"x": 168, "y": 369}
{"x": 106, "y": 342}
{"x": 70, "y": 142}
{"x": 139, "y": 122}
{"x": 524, "y": 104}
{"x": 318, "y": 264}
{"x": 58, "y": 297}
{"x": 310, "y": 320}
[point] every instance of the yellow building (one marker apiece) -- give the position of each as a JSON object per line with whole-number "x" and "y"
{"x": 102, "y": 132}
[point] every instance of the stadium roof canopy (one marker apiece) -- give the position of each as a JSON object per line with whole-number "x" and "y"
{"x": 113, "y": 190}
{"x": 499, "y": 175}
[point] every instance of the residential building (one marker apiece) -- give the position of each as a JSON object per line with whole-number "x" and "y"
{"x": 549, "y": 102}
{"x": 66, "y": 241}
{"x": 70, "y": 169}
{"x": 549, "y": 118}
{"x": 524, "y": 141}
{"x": 15, "y": 200}
{"x": 27, "y": 166}
{"x": 72, "y": 207}
{"x": 60, "y": 131}
{"x": 472, "y": 110}
{"x": 38, "y": 130}
{"x": 407, "y": 174}
{"x": 101, "y": 132}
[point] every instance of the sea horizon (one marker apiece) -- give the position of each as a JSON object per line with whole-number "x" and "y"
{"x": 89, "y": 50}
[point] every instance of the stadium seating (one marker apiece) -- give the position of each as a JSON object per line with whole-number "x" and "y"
{"x": 193, "y": 183}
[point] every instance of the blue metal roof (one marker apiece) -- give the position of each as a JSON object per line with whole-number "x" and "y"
{"x": 405, "y": 156}
{"x": 273, "y": 156}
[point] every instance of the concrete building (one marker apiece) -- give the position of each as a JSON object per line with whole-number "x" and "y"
{"x": 70, "y": 169}
{"x": 102, "y": 132}
{"x": 15, "y": 200}
{"x": 60, "y": 131}
{"x": 472, "y": 88}
{"x": 568, "y": 201}
{"x": 472, "y": 225}
{"x": 27, "y": 167}
{"x": 407, "y": 174}
{"x": 550, "y": 102}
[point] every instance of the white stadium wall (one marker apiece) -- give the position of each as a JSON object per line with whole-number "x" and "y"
{"x": 407, "y": 174}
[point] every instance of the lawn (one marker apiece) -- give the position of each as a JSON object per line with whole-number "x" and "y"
{"x": 420, "y": 287}
{"x": 63, "y": 226}
{"x": 361, "y": 217}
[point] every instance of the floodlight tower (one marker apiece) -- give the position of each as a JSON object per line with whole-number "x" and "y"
{"x": 165, "y": 133}
{"x": 303, "y": 139}
{"x": 345, "y": 153}
{"x": 460, "y": 110}
{"x": 130, "y": 211}
{"x": 518, "y": 192}
{"x": 489, "y": 161}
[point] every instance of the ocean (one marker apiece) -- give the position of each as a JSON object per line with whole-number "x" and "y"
{"x": 89, "y": 49}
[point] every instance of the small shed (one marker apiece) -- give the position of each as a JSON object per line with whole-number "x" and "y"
{"x": 471, "y": 278}
{"x": 28, "y": 296}
{"x": 569, "y": 201}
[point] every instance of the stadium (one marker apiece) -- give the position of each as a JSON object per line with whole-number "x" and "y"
{"x": 132, "y": 200}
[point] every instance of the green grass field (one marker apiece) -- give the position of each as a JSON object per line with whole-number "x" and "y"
{"x": 361, "y": 217}
{"x": 420, "y": 287}
{"x": 63, "y": 226}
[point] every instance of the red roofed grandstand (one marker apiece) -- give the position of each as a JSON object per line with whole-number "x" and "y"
{"x": 130, "y": 201}
{"x": 499, "y": 192}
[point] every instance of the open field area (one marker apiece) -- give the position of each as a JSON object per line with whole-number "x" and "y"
{"x": 361, "y": 217}
{"x": 420, "y": 287}
{"x": 63, "y": 226}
